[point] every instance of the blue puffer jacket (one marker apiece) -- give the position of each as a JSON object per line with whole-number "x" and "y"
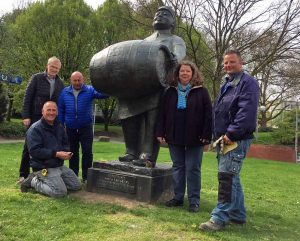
{"x": 83, "y": 116}
{"x": 234, "y": 111}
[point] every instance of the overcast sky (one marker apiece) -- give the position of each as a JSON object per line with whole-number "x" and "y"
{"x": 9, "y": 5}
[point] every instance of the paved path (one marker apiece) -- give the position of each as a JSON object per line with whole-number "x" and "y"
{"x": 3, "y": 140}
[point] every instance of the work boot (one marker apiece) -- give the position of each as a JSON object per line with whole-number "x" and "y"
{"x": 174, "y": 203}
{"x": 194, "y": 208}
{"x": 127, "y": 158}
{"x": 26, "y": 184}
{"x": 211, "y": 226}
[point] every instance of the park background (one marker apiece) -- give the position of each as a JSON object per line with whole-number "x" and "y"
{"x": 266, "y": 32}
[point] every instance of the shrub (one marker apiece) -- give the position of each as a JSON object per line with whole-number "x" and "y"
{"x": 265, "y": 129}
{"x": 285, "y": 133}
{"x": 12, "y": 129}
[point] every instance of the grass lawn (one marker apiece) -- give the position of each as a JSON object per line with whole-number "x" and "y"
{"x": 271, "y": 191}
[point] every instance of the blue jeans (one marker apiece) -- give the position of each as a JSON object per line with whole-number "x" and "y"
{"x": 230, "y": 195}
{"x": 84, "y": 137}
{"x": 186, "y": 169}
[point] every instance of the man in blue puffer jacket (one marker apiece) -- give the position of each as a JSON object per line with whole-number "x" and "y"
{"x": 75, "y": 112}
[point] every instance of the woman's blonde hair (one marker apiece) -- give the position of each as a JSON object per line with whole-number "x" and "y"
{"x": 197, "y": 78}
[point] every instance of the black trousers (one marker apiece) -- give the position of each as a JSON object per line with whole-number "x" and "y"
{"x": 84, "y": 137}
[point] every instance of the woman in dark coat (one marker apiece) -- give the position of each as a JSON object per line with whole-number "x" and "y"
{"x": 185, "y": 124}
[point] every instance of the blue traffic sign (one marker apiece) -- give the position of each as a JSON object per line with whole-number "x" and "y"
{"x": 10, "y": 79}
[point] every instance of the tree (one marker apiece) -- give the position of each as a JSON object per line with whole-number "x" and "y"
{"x": 45, "y": 29}
{"x": 7, "y": 62}
{"x": 107, "y": 107}
{"x": 3, "y": 102}
{"x": 240, "y": 25}
{"x": 110, "y": 25}
{"x": 267, "y": 36}
{"x": 54, "y": 28}
{"x": 278, "y": 83}
{"x": 285, "y": 131}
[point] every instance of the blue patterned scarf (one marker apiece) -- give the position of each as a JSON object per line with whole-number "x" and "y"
{"x": 183, "y": 91}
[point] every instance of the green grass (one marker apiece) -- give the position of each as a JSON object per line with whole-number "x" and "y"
{"x": 271, "y": 191}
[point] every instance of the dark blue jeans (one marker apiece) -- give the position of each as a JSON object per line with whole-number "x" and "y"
{"x": 84, "y": 137}
{"x": 230, "y": 204}
{"x": 187, "y": 169}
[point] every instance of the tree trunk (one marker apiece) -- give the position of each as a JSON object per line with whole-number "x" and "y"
{"x": 263, "y": 121}
{"x": 9, "y": 110}
{"x": 106, "y": 124}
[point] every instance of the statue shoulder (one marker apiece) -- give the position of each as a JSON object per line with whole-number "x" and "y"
{"x": 178, "y": 40}
{"x": 152, "y": 37}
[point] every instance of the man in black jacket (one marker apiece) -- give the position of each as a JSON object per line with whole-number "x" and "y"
{"x": 48, "y": 146}
{"x": 42, "y": 87}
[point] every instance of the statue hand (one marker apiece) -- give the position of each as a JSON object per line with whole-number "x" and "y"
{"x": 174, "y": 60}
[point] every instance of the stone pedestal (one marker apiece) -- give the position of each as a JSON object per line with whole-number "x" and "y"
{"x": 126, "y": 180}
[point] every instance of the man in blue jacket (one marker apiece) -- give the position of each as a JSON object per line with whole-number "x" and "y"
{"x": 234, "y": 120}
{"x": 48, "y": 148}
{"x": 75, "y": 112}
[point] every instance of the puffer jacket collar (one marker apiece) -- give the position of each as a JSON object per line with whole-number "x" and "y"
{"x": 70, "y": 88}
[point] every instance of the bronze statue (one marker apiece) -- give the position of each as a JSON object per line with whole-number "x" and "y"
{"x": 136, "y": 71}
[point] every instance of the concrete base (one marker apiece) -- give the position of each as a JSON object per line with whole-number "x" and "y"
{"x": 139, "y": 183}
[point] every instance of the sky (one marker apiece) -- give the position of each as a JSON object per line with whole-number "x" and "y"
{"x": 9, "y": 5}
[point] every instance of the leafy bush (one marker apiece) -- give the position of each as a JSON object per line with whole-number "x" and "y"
{"x": 12, "y": 129}
{"x": 265, "y": 129}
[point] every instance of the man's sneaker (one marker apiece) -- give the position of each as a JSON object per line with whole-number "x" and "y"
{"x": 26, "y": 184}
{"x": 194, "y": 208}
{"x": 127, "y": 158}
{"x": 211, "y": 226}
{"x": 174, "y": 203}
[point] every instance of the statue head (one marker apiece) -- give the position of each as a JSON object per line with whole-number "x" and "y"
{"x": 164, "y": 18}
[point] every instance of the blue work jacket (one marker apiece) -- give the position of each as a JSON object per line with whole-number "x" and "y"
{"x": 235, "y": 108}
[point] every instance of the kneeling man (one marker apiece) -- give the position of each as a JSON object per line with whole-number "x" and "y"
{"x": 48, "y": 148}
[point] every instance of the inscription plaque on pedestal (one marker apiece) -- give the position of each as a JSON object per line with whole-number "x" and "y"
{"x": 123, "y": 179}
{"x": 117, "y": 182}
